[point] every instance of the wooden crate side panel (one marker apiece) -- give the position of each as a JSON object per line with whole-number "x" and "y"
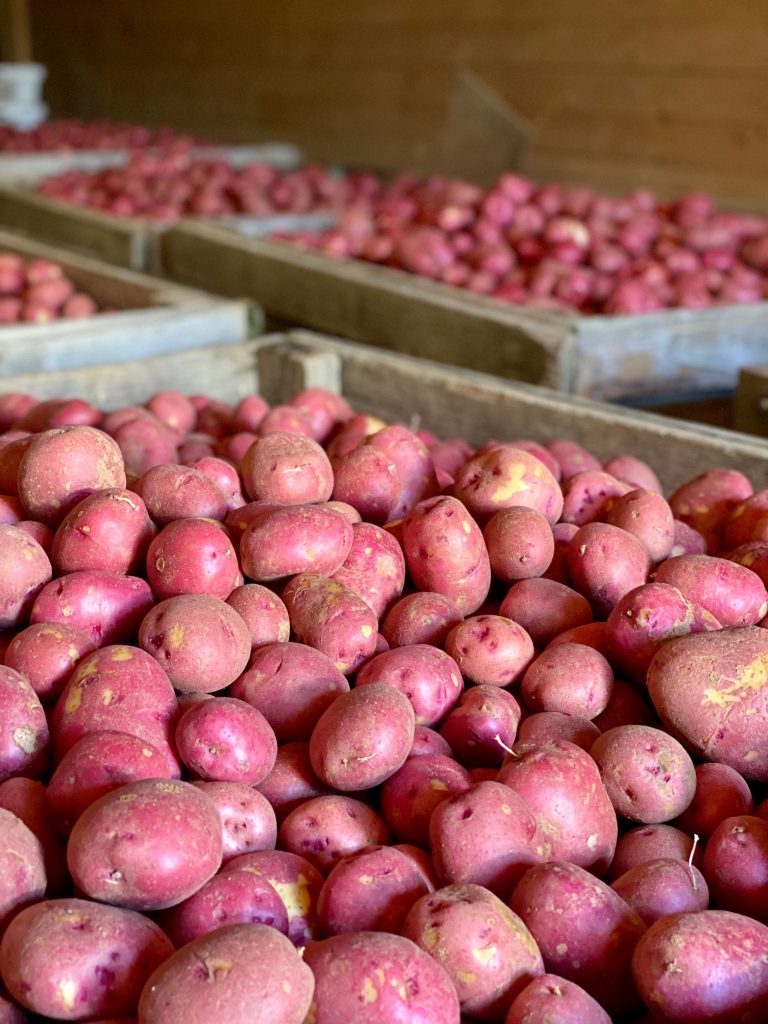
{"x": 475, "y": 406}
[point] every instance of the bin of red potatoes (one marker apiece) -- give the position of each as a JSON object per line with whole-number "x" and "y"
{"x": 65, "y": 135}
{"x": 38, "y": 291}
{"x": 308, "y": 717}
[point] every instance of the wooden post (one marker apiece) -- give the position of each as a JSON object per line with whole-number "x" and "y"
{"x": 15, "y": 35}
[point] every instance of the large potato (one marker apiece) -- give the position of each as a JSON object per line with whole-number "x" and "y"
{"x": 287, "y": 468}
{"x": 22, "y": 867}
{"x": 293, "y": 539}
{"x": 428, "y": 677}
{"x": 605, "y": 563}
{"x": 106, "y": 606}
{"x": 374, "y": 567}
{"x": 47, "y": 653}
{"x": 503, "y": 477}
{"x": 171, "y": 491}
{"x": 226, "y": 740}
{"x": 193, "y": 556}
{"x": 326, "y": 828}
{"x": 734, "y": 594}
{"x": 109, "y": 530}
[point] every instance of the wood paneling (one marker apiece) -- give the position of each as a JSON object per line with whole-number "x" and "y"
{"x": 672, "y": 94}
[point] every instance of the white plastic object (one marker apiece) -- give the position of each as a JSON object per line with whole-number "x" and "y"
{"x": 22, "y": 82}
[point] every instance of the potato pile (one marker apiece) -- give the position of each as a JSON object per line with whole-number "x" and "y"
{"x": 62, "y": 135}
{"x": 36, "y": 291}
{"x": 306, "y": 716}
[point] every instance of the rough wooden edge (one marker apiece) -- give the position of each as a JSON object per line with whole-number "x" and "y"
{"x": 750, "y": 403}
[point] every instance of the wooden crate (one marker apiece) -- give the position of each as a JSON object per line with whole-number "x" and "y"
{"x": 152, "y": 317}
{"x": 604, "y": 357}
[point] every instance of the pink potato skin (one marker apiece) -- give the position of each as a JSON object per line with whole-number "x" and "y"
{"x": 411, "y": 985}
{"x": 287, "y": 468}
{"x": 647, "y": 516}
{"x": 226, "y": 740}
{"x": 291, "y": 685}
{"x": 429, "y": 678}
{"x": 47, "y": 654}
{"x": 192, "y": 556}
{"x": 602, "y": 928}
{"x": 505, "y": 476}
{"x": 633, "y": 471}
{"x": 367, "y": 479}
{"x": 661, "y": 887}
{"x": 326, "y": 828}
{"x": 445, "y": 552}
{"x": 520, "y": 543}
{"x": 545, "y": 608}
{"x": 720, "y": 793}
{"x": 172, "y": 491}
{"x": 24, "y": 730}
{"x": 144, "y": 442}
{"x": 706, "y": 502}
{"x": 374, "y": 567}
{"x": 570, "y": 678}
{"x": 107, "y": 607}
{"x": 481, "y": 725}
{"x": 409, "y": 797}
{"x": 292, "y": 779}
{"x": 22, "y": 867}
{"x": 588, "y": 495}
{"x": 175, "y": 410}
{"x": 546, "y": 726}
{"x": 109, "y": 530}
{"x": 704, "y": 945}
{"x": 263, "y": 612}
{"x": 26, "y": 799}
{"x": 248, "y": 820}
{"x": 72, "y": 959}
{"x": 420, "y": 618}
{"x": 490, "y": 650}
{"x": 411, "y": 458}
{"x": 293, "y": 539}
{"x": 555, "y": 1000}
{"x": 734, "y": 594}
{"x": 26, "y": 569}
{"x": 645, "y": 843}
{"x": 225, "y": 476}
{"x": 125, "y": 849}
{"x": 735, "y": 866}
{"x": 605, "y": 563}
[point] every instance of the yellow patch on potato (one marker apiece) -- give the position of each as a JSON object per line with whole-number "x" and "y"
{"x": 295, "y": 895}
{"x": 122, "y": 654}
{"x": 370, "y": 992}
{"x": 28, "y": 554}
{"x": 485, "y": 954}
{"x": 68, "y": 992}
{"x": 514, "y": 484}
{"x": 175, "y": 636}
{"x": 749, "y": 678}
{"x": 25, "y": 739}
{"x": 438, "y": 785}
{"x": 366, "y": 631}
{"x": 466, "y": 977}
{"x": 106, "y": 697}
{"x": 74, "y": 699}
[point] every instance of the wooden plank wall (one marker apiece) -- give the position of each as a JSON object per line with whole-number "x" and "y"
{"x": 669, "y": 93}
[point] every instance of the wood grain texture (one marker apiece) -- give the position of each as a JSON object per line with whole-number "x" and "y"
{"x": 674, "y": 95}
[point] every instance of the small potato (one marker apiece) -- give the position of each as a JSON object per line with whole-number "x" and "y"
{"x": 294, "y": 539}
{"x": 687, "y": 541}
{"x": 571, "y": 678}
{"x": 224, "y": 475}
{"x": 174, "y": 409}
{"x": 371, "y": 977}
{"x": 47, "y": 654}
{"x": 445, "y": 552}
{"x": 429, "y": 678}
{"x": 735, "y": 866}
{"x": 332, "y": 619}
{"x": 128, "y": 850}
{"x": 172, "y": 491}
{"x": 24, "y": 734}
{"x": 545, "y": 608}
{"x": 409, "y": 797}
{"x": 628, "y": 706}
{"x": 588, "y": 495}
{"x": 327, "y": 828}
{"x": 645, "y": 843}
{"x": 226, "y": 740}
{"x": 486, "y": 949}
{"x": 572, "y": 457}
{"x": 296, "y": 881}
{"x": 554, "y": 999}
{"x": 374, "y": 567}
{"x": 481, "y": 726}
{"x": 549, "y": 726}
{"x": 192, "y": 556}
{"x": 291, "y": 685}
{"x": 420, "y": 618}
{"x": 605, "y": 563}
{"x": 26, "y": 799}
{"x": 292, "y": 779}
{"x": 106, "y": 606}
{"x": 240, "y": 974}
{"x": 411, "y": 458}
{"x": 562, "y": 534}
{"x": 706, "y": 503}
{"x": 287, "y": 468}
{"x": 520, "y": 543}
{"x": 73, "y": 959}
{"x": 505, "y": 476}
{"x": 22, "y": 868}
{"x": 721, "y": 792}
{"x": 109, "y": 530}
{"x": 26, "y": 569}
{"x": 658, "y": 888}
{"x": 61, "y": 467}
{"x": 263, "y": 612}
{"x": 647, "y": 516}
{"x": 12, "y": 448}
{"x": 633, "y": 471}
{"x": 735, "y": 595}
{"x": 705, "y": 945}
{"x": 367, "y": 479}
{"x": 144, "y": 442}
{"x": 648, "y": 774}
{"x": 362, "y": 738}
{"x": 745, "y": 520}
{"x": 247, "y": 818}
{"x": 200, "y": 641}
{"x": 491, "y": 650}
{"x": 428, "y": 741}
{"x": 96, "y": 764}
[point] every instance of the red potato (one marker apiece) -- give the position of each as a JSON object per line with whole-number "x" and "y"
{"x": 107, "y": 607}
{"x": 223, "y": 474}
{"x": 520, "y": 543}
{"x": 26, "y": 799}
{"x": 486, "y": 835}
{"x": 706, "y": 503}
{"x": 411, "y": 458}
{"x": 326, "y": 828}
{"x": 286, "y": 420}
{"x": 735, "y": 866}
{"x": 26, "y": 569}
{"x": 192, "y": 556}
{"x": 658, "y": 888}
{"x": 487, "y": 951}
{"x": 570, "y": 678}
{"x": 628, "y": 706}
{"x": 687, "y": 541}
{"x": 720, "y": 793}
{"x": 24, "y": 734}
{"x": 371, "y": 890}
{"x": 429, "y": 678}
{"x": 503, "y": 477}
{"x": 60, "y": 467}
{"x": 13, "y": 446}
{"x": 445, "y": 552}
{"x": 226, "y": 740}
{"x": 287, "y": 468}
{"x": 144, "y": 442}
{"x": 120, "y": 689}
{"x": 241, "y": 974}
{"x": 126, "y": 850}
{"x": 374, "y": 567}
{"x": 549, "y": 726}
{"x": 11, "y": 511}
{"x": 362, "y": 738}
{"x": 427, "y": 741}
{"x": 73, "y": 959}
{"x": 174, "y": 409}
{"x": 745, "y": 520}
{"x": 633, "y": 471}
{"x": 14, "y": 405}
{"x": 96, "y": 764}
{"x": 326, "y": 409}
{"x": 294, "y": 539}
{"x": 710, "y": 691}
{"x": 22, "y": 868}
{"x": 591, "y": 634}
{"x": 706, "y": 945}
{"x": 367, "y": 479}
{"x": 483, "y": 723}
{"x": 605, "y": 563}
{"x": 370, "y": 977}
{"x": 409, "y": 797}
{"x": 602, "y": 929}
{"x": 332, "y": 619}
{"x": 171, "y": 491}
{"x": 247, "y": 818}
{"x": 551, "y": 999}
{"x": 545, "y": 608}
{"x": 734, "y": 594}
{"x": 263, "y": 612}
{"x": 291, "y": 685}
{"x": 12, "y": 1013}
{"x": 297, "y": 883}
{"x": 588, "y": 495}
{"x": 236, "y": 897}
{"x": 646, "y": 843}
{"x": 560, "y": 784}
{"x": 109, "y": 530}
{"x": 201, "y": 642}
{"x": 38, "y": 531}
{"x": 490, "y": 650}
{"x": 237, "y": 520}
{"x": 647, "y": 516}
{"x": 421, "y": 618}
